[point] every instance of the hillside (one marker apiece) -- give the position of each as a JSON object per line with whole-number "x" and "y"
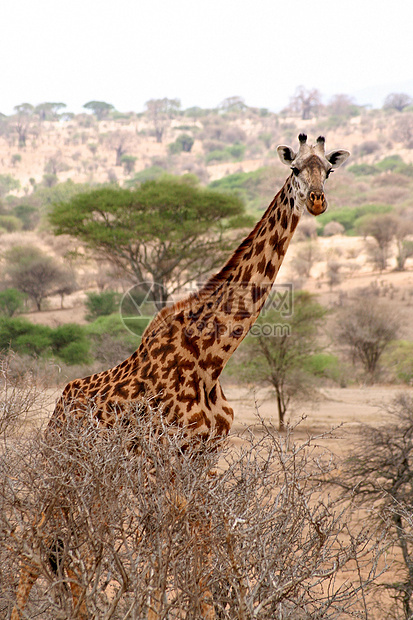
{"x": 48, "y": 157}
{"x": 219, "y": 142}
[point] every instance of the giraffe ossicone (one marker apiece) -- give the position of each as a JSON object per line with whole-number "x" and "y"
{"x": 187, "y": 345}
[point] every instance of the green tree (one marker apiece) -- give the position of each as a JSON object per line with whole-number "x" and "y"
{"x": 50, "y": 179}
{"x": 65, "y": 284}
{"x": 8, "y": 184}
{"x": 184, "y": 143}
{"x": 11, "y": 301}
{"x": 128, "y": 163}
{"x": 278, "y": 350}
{"x": 10, "y": 223}
{"x": 404, "y": 230}
{"x": 101, "y": 304}
{"x": 162, "y": 235}
{"x": 100, "y": 108}
{"x": 27, "y": 214}
{"x": 49, "y": 111}
{"x": 16, "y": 159}
{"x": 69, "y": 342}
{"x": 43, "y": 197}
{"x": 24, "y": 337}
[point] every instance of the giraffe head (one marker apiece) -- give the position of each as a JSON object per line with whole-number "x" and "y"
{"x": 310, "y": 167}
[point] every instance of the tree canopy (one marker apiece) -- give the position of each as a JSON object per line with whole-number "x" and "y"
{"x": 160, "y": 111}
{"x": 100, "y": 108}
{"x": 366, "y": 327}
{"x": 161, "y": 235}
{"x": 34, "y": 273}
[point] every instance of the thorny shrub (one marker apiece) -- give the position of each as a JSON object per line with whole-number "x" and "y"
{"x": 142, "y": 518}
{"x": 378, "y": 477}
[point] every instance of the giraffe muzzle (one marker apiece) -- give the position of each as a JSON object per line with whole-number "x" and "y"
{"x": 316, "y": 203}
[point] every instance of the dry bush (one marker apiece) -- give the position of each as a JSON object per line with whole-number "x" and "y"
{"x": 334, "y": 276}
{"x": 306, "y": 257}
{"x": 333, "y": 228}
{"x": 391, "y": 179}
{"x": 365, "y": 327}
{"x": 378, "y": 477}
{"x": 307, "y": 229}
{"x": 22, "y": 397}
{"x": 367, "y": 148}
{"x": 218, "y": 130}
{"x": 392, "y": 195}
{"x": 403, "y": 130}
{"x": 135, "y": 518}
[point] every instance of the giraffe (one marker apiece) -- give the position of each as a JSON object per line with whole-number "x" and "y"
{"x": 185, "y": 348}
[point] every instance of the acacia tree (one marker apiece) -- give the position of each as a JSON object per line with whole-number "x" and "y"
{"x": 404, "y": 245}
{"x": 366, "y": 327}
{"x": 342, "y": 105}
{"x": 403, "y": 129}
{"x": 11, "y": 301}
{"x": 160, "y": 111}
{"x": 233, "y": 104}
{"x": 22, "y": 120}
{"x": 305, "y": 102}
{"x": 100, "y": 108}
{"x": 34, "y": 273}
{"x": 305, "y": 258}
{"x": 119, "y": 141}
{"x": 161, "y": 235}
{"x": 383, "y": 229}
{"x": 397, "y": 101}
{"x": 277, "y": 350}
{"x": 49, "y": 111}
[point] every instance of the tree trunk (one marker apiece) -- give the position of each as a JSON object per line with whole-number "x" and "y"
{"x": 158, "y": 134}
{"x": 281, "y": 410}
{"x": 119, "y": 153}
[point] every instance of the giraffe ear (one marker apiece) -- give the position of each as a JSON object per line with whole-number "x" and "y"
{"x": 336, "y": 158}
{"x": 286, "y": 154}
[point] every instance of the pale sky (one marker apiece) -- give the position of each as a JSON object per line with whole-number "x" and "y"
{"x": 125, "y": 52}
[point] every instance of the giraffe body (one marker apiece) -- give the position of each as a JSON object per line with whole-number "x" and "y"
{"x": 186, "y": 346}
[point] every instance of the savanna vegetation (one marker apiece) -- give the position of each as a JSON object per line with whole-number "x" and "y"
{"x": 107, "y": 216}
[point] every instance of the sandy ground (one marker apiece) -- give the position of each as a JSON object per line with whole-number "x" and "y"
{"x": 340, "y": 412}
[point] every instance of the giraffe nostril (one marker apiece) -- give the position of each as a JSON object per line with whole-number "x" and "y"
{"x": 316, "y": 196}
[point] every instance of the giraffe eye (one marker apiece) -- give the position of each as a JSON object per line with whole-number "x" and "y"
{"x": 329, "y": 172}
{"x": 296, "y": 171}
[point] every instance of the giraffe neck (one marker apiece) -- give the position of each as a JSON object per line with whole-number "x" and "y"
{"x": 215, "y": 320}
